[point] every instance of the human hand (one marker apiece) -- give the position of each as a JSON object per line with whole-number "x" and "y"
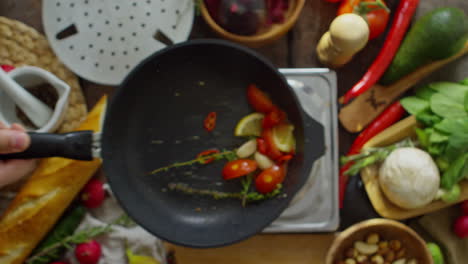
{"x": 14, "y": 139}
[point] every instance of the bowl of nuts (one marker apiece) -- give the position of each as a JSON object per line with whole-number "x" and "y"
{"x": 378, "y": 241}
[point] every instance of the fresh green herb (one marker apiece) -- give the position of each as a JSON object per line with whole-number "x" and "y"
{"x": 225, "y": 154}
{"x": 445, "y": 107}
{"x": 414, "y": 105}
{"x": 198, "y": 4}
{"x": 371, "y": 156}
{"x": 451, "y": 195}
{"x": 250, "y": 196}
{"x": 79, "y": 237}
{"x": 445, "y": 132}
{"x": 64, "y": 227}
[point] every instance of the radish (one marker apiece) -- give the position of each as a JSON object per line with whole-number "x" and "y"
{"x": 88, "y": 252}
{"x": 93, "y": 194}
{"x": 461, "y": 226}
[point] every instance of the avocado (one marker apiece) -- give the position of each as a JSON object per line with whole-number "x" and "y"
{"x": 437, "y": 35}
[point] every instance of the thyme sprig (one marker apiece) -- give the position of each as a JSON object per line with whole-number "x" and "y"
{"x": 225, "y": 154}
{"x": 244, "y": 196}
{"x": 77, "y": 238}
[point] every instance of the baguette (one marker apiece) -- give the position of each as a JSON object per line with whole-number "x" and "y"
{"x": 44, "y": 197}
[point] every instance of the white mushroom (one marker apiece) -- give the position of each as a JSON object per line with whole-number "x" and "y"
{"x": 409, "y": 178}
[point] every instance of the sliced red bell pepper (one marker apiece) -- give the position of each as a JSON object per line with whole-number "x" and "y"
{"x": 207, "y": 153}
{"x": 210, "y": 121}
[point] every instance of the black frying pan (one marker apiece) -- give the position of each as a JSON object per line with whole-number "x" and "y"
{"x": 155, "y": 118}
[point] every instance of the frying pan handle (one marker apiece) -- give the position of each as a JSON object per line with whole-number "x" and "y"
{"x": 75, "y": 145}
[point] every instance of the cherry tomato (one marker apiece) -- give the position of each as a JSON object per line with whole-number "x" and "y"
{"x": 261, "y": 146}
{"x": 238, "y": 168}
{"x": 460, "y": 226}
{"x": 259, "y": 100}
{"x": 464, "y": 207}
{"x": 376, "y": 15}
{"x": 272, "y": 150}
{"x": 273, "y": 118}
{"x": 284, "y": 158}
{"x": 347, "y": 6}
{"x": 268, "y": 179}
{"x": 210, "y": 121}
{"x": 377, "y": 20}
{"x": 207, "y": 153}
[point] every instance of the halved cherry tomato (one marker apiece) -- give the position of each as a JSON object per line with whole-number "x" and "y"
{"x": 272, "y": 150}
{"x": 261, "y": 146}
{"x": 207, "y": 153}
{"x": 259, "y": 100}
{"x": 284, "y": 158}
{"x": 210, "y": 121}
{"x": 268, "y": 179}
{"x": 273, "y": 118}
{"x": 238, "y": 168}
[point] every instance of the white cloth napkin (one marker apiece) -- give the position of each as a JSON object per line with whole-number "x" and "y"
{"x": 114, "y": 243}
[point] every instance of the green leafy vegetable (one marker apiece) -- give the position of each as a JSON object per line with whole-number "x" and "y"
{"x": 453, "y": 125}
{"x": 445, "y": 132}
{"x": 454, "y": 91}
{"x": 424, "y": 92}
{"x": 451, "y": 195}
{"x": 436, "y": 253}
{"x": 446, "y": 107}
{"x": 454, "y": 173}
{"x": 414, "y": 105}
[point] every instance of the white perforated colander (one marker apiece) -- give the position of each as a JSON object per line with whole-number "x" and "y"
{"x": 102, "y": 40}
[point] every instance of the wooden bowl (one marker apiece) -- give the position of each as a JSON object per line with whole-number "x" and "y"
{"x": 264, "y": 36}
{"x": 388, "y": 230}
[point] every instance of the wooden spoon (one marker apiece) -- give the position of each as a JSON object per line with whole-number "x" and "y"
{"x": 366, "y": 107}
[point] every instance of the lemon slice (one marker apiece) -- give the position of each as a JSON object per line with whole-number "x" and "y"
{"x": 283, "y": 137}
{"x": 249, "y": 125}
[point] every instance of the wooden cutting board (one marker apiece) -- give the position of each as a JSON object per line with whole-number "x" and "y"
{"x": 262, "y": 249}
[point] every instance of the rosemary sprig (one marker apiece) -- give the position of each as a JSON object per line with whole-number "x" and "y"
{"x": 77, "y": 238}
{"x": 371, "y": 156}
{"x": 226, "y": 154}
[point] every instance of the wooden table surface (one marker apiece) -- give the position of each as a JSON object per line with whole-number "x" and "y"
{"x": 295, "y": 50}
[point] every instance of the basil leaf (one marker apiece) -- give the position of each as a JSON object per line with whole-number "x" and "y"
{"x": 451, "y": 126}
{"x": 457, "y": 145}
{"x": 414, "y": 105}
{"x": 454, "y": 91}
{"x": 464, "y": 82}
{"x": 424, "y": 92}
{"x": 454, "y": 173}
{"x": 428, "y": 118}
{"x": 466, "y": 102}
{"x": 446, "y": 107}
{"x": 438, "y": 137}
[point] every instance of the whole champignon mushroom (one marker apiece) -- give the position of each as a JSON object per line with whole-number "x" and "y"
{"x": 409, "y": 178}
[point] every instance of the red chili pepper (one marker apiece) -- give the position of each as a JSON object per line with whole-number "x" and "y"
{"x": 207, "y": 153}
{"x": 210, "y": 121}
{"x": 387, "y": 118}
{"x": 284, "y": 158}
{"x": 7, "y": 68}
{"x": 399, "y": 27}
{"x": 261, "y": 146}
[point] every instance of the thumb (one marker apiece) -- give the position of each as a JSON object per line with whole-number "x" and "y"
{"x": 13, "y": 141}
